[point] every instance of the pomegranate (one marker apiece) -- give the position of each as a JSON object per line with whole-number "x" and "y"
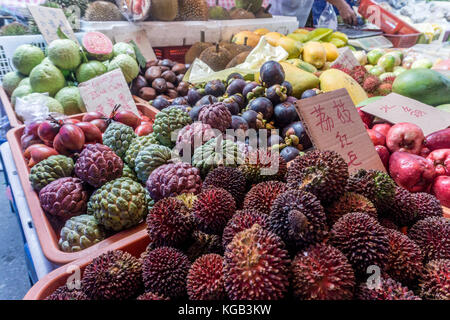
{"x": 405, "y": 137}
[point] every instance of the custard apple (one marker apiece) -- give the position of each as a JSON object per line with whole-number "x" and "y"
{"x": 136, "y": 145}
{"x": 80, "y": 233}
{"x": 64, "y": 198}
{"x": 49, "y": 170}
{"x": 119, "y": 204}
{"x": 150, "y": 158}
{"x": 129, "y": 173}
{"x": 118, "y": 137}
{"x": 193, "y": 136}
{"x": 216, "y": 152}
{"x": 98, "y": 164}
{"x": 216, "y": 115}
{"x": 168, "y": 121}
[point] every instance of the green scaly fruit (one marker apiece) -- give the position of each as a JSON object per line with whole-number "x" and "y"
{"x": 49, "y": 170}
{"x": 118, "y": 137}
{"x": 150, "y": 158}
{"x": 79, "y": 233}
{"x": 167, "y": 122}
{"x": 136, "y": 145}
{"x": 127, "y": 172}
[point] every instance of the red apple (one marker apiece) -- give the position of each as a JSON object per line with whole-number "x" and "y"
{"x": 441, "y": 161}
{"x": 384, "y": 154}
{"x": 382, "y": 128}
{"x": 441, "y": 189}
{"x": 405, "y": 137}
{"x": 376, "y": 137}
{"x": 410, "y": 171}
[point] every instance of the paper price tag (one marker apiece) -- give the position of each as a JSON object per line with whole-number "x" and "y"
{"x": 49, "y": 20}
{"x": 333, "y": 123}
{"x": 102, "y": 93}
{"x": 346, "y": 59}
{"x": 396, "y": 108}
{"x": 140, "y": 38}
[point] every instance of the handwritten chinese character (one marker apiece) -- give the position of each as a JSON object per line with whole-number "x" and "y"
{"x": 342, "y": 113}
{"x": 386, "y": 109}
{"x": 343, "y": 140}
{"x": 353, "y": 159}
{"x": 325, "y": 122}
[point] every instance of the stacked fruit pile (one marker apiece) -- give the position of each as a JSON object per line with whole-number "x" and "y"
{"x": 308, "y": 232}
{"x": 65, "y": 66}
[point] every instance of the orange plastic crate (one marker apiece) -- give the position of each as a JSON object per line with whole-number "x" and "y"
{"x": 173, "y": 53}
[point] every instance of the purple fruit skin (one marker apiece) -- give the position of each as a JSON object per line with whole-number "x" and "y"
{"x": 194, "y": 112}
{"x": 193, "y": 96}
{"x": 291, "y": 99}
{"x": 180, "y": 101}
{"x": 289, "y": 153}
{"x": 297, "y": 129}
{"x": 233, "y": 107}
{"x": 215, "y": 88}
{"x": 236, "y": 86}
{"x": 288, "y": 87}
{"x": 438, "y": 140}
{"x": 274, "y": 139}
{"x": 271, "y": 73}
{"x": 250, "y": 116}
{"x": 238, "y": 122}
{"x": 308, "y": 94}
{"x": 262, "y": 105}
{"x": 216, "y": 115}
{"x": 249, "y": 87}
{"x": 285, "y": 113}
{"x": 208, "y": 99}
{"x": 160, "y": 103}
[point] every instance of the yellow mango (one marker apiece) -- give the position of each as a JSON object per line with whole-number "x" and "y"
{"x": 294, "y": 48}
{"x": 332, "y": 51}
{"x": 301, "y": 31}
{"x": 252, "y": 38}
{"x": 302, "y": 65}
{"x": 333, "y": 79}
{"x": 273, "y": 37}
{"x": 315, "y": 54}
{"x": 261, "y": 31}
{"x": 301, "y": 80}
{"x": 297, "y": 36}
{"x": 340, "y": 35}
{"x": 337, "y": 42}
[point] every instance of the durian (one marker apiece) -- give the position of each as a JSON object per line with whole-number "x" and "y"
{"x": 103, "y": 11}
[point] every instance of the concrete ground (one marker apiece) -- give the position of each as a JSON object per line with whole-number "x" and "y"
{"x": 14, "y": 281}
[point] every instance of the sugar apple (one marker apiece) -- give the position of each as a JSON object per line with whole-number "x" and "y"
{"x": 173, "y": 179}
{"x": 193, "y": 136}
{"x": 216, "y": 115}
{"x": 129, "y": 173}
{"x": 168, "y": 121}
{"x": 118, "y": 137}
{"x": 136, "y": 145}
{"x": 150, "y": 158}
{"x": 119, "y": 204}
{"x": 79, "y": 233}
{"x": 49, "y": 170}
{"x": 216, "y": 152}
{"x": 64, "y": 198}
{"x": 98, "y": 164}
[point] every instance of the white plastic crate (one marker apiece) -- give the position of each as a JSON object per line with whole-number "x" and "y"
{"x": 9, "y": 44}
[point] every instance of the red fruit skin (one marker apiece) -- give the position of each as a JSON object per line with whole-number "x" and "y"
{"x": 29, "y": 140}
{"x": 438, "y": 140}
{"x": 144, "y": 119}
{"x": 59, "y": 146}
{"x": 101, "y": 124}
{"x": 441, "y": 161}
{"x": 441, "y": 190}
{"x": 88, "y": 117}
{"x": 382, "y": 128}
{"x": 32, "y": 128}
{"x": 71, "y": 137}
{"x": 365, "y": 117}
{"x": 410, "y": 171}
{"x": 71, "y": 121}
{"x": 48, "y": 130}
{"x": 405, "y": 137}
{"x": 376, "y": 137}
{"x": 144, "y": 129}
{"x": 37, "y": 153}
{"x": 92, "y": 134}
{"x": 424, "y": 152}
{"x": 384, "y": 154}
{"x": 127, "y": 117}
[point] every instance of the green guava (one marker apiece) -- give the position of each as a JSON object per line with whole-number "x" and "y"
{"x": 89, "y": 70}
{"x": 376, "y": 70}
{"x": 65, "y": 54}
{"x": 387, "y": 62}
{"x": 124, "y": 48}
{"x": 47, "y": 78}
{"x": 20, "y": 92}
{"x": 25, "y": 82}
{"x": 127, "y": 64}
{"x": 70, "y": 100}
{"x": 398, "y": 70}
{"x": 374, "y": 55}
{"x": 422, "y": 63}
{"x": 26, "y": 57}
{"x": 11, "y": 81}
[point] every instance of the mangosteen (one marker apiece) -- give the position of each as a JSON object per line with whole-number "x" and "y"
{"x": 232, "y": 105}
{"x": 239, "y": 98}
{"x": 160, "y": 85}
{"x": 183, "y": 88}
{"x": 208, "y": 99}
{"x": 194, "y": 112}
{"x": 237, "y": 122}
{"x": 285, "y": 113}
{"x": 274, "y": 139}
{"x": 291, "y": 99}
{"x": 249, "y": 87}
{"x": 262, "y": 105}
{"x": 169, "y": 76}
{"x": 160, "y": 103}
{"x": 251, "y": 117}
{"x": 271, "y": 72}
{"x": 152, "y": 73}
{"x": 257, "y": 92}
{"x": 164, "y": 96}
{"x": 147, "y": 93}
{"x": 193, "y": 96}
{"x": 309, "y": 93}
{"x": 179, "y": 101}
{"x": 179, "y": 68}
{"x": 297, "y": 133}
{"x": 276, "y": 94}
{"x": 215, "y": 88}
{"x": 236, "y": 86}
{"x": 289, "y": 153}
{"x": 288, "y": 86}
{"x": 233, "y": 76}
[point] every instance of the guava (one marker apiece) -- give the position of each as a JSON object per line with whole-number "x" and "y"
{"x": 97, "y": 46}
{"x": 398, "y": 60}
{"x": 65, "y": 54}
{"x": 20, "y": 92}
{"x": 89, "y": 70}
{"x": 47, "y": 78}
{"x": 25, "y": 82}
{"x": 374, "y": 55}
{"x": 422, "y": 63}
{"x": 124, "y": 48}
{"x": 70, "y": 100}
{"x": 127, "y": 64}
{"x": 398, "y": 70}
{"x": 368, "y": 67}
{"x": 376, "y": 70}
{"x": 387, "y": 62}
{"x": 52, "y": 104}
{"x": 26, "y": 57}
{"x": 11, "y": 81}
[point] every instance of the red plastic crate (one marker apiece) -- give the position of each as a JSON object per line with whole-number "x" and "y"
{"x": 388, "y": 22}
{"x": 403, "y": 40}
{"x": 173, "y": 53}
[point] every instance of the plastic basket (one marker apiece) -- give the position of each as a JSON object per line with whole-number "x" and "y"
{"x": 385, "y": 20}
{"x": 173, "y": 53}
{"x": 403, "y": 40}
{"x": 134, "y": 244}
{"x": 48, "y": 230}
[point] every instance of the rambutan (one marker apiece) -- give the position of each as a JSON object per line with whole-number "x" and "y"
{"x": 347, "y": 203}
{"x": 203, "y": 243}
{"x": 359, "y": 73}
{"x": 371, "y": 83}
{"x": 342, "y": 68}
{"x": 384, "y": 89}
{"x": 64, "y": 293}
{"x": 388, "y": 289}
{"x": 243, "y": 219}
{"x": 228, "y": 178}
{"x": 435, "y": 280}
{"x": 151, "y": 296}
{"x": 389, "y": 79}
{"x": 205, "y": 280}
{"x": 263, "y": 165}
{"x": 261, "y": 196}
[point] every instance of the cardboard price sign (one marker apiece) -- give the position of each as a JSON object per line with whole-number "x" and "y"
{"x": 396, "y": 108}
{"x": 346, "y": 59}
{"x": 140, "y": 38}
{"x": 333, "y": 123}
{"x": 49, "y": 20}
{"x": 102, "y": 93}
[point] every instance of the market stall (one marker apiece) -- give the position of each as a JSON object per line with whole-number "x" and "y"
{"x": 231, "y": 156}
